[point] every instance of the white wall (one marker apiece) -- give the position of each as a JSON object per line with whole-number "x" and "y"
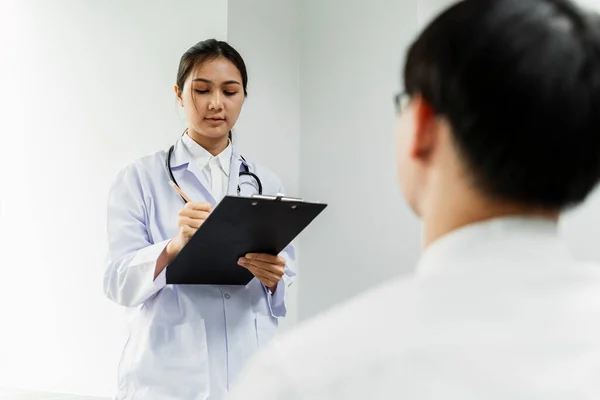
{"x": 350, "y": 70}
{"x": 581, "y": 227}
{"x": 265, "y": 33}
{"x": 93, "y": 83}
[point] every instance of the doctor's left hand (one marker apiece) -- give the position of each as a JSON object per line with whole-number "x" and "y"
{"x": 265, "y": 267}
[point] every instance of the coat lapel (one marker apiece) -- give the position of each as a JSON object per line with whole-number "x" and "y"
{"x": 189, "y": 175}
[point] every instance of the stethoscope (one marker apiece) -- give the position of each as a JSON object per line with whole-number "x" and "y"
{"x": 244, "y": 172}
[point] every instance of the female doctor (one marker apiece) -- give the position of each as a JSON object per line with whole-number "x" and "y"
{"x": 190, "y": 342}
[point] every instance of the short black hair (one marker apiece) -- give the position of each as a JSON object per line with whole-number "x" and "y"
{"x": 519, "y": 83}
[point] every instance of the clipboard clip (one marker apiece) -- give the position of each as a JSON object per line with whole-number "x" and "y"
{"x": 276, "y": 198}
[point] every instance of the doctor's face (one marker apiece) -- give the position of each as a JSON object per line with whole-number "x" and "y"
{"x": 212, "y": 98}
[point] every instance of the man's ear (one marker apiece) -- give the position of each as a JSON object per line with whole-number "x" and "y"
{"x": 178, "y": 95}
{"x": 426, "y": 128}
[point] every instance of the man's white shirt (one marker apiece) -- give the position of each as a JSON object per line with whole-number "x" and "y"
{"x": 497, "y": 310}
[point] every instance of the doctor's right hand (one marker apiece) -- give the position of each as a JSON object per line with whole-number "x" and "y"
{"x": 191, "y": 217}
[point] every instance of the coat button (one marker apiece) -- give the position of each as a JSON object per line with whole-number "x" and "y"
{"x": 227, "y": 296}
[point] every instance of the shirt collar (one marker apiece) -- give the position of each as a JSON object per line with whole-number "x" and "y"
{"x": 202, "y": 157}
{"x": 469, "y": 249}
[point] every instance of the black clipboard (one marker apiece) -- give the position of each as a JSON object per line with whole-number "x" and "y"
{"x": 236, "y": 227}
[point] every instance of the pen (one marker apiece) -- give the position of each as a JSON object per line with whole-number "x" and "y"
{"x": 187, "y": 199}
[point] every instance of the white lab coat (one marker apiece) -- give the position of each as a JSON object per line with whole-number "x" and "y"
{"x": 186, "y": 342}
{"x": 498, "y": 310}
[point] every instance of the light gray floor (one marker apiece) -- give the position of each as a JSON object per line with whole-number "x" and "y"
{"x": 13, "y": 394}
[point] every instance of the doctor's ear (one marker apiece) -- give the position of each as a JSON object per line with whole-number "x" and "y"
{"x": 178, "y": 95}
{"x": 426, "y": 128}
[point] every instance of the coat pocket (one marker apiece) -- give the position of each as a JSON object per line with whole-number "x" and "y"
{"x": 170, "y": 362}
{"x": 266, "y": 329}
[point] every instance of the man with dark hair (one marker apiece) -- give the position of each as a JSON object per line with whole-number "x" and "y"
{"x": 498, "y": 134}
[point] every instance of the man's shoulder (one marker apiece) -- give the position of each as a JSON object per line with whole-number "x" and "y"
{"x": 339, "y": 344}
{"x": 391, "y": 338}
{"x": 355, "y": 329}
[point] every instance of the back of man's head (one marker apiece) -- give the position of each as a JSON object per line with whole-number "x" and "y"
{"x": 519, "y": 83}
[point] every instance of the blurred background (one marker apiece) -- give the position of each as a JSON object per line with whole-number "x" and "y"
{"x": 87, "y": 87}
